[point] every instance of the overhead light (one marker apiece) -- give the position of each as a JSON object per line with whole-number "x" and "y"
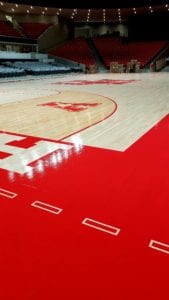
{"x": 9, "y": 18}
{"x": 88, "y": 15}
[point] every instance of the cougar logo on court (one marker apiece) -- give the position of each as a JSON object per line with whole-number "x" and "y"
{"x": 73, "y": 107}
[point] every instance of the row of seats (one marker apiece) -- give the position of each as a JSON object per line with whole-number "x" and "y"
{"x": 38, "y": 68}
{"x": 21, "y": 68}
{"x": 10, "y": 71}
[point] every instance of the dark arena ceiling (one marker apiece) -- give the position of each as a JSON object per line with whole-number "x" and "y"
{"x": 90, "y": 4}
{"x": 108, "y": 11}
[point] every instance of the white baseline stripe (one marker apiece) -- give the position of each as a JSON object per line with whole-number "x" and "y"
{"x": 101, "y": 226}
{"x": 47, "y": 207}
{"x": 7, "y": 193}
{"x": 159, "y": 246}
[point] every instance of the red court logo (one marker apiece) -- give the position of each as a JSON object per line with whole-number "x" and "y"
{"x": 71, "y": 107}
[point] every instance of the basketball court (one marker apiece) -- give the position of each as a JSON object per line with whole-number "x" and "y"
{"x": 84, "y": 188}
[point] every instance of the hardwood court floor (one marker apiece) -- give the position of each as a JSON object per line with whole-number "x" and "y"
{"x": 140, "y": 105}
{"x": 84, "y": 207}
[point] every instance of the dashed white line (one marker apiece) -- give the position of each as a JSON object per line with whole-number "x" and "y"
{"x": 101, "y": 226}
{"x": 47, "y": 207}
{"x": 159, "y": 246}
{"x": 7, "y": 194}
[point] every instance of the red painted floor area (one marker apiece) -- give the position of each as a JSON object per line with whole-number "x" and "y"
{"x": 47, "y": 255}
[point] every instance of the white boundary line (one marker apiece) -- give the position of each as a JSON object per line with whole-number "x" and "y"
{"x": 101, "y": 226}
{"x": 156, "y": 245}
{"x": 7, "y": 193}
{"x": 47, "y": 207}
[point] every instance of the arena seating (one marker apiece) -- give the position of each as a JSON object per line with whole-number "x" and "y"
{"x": 6, "y": 71}
{"x": 38, "y": 68}
{"x": 34, "y": 30}
{"x": 111, "y": 49}
{"x": 6, "y": 29}
{"x": 76, "y": 50}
